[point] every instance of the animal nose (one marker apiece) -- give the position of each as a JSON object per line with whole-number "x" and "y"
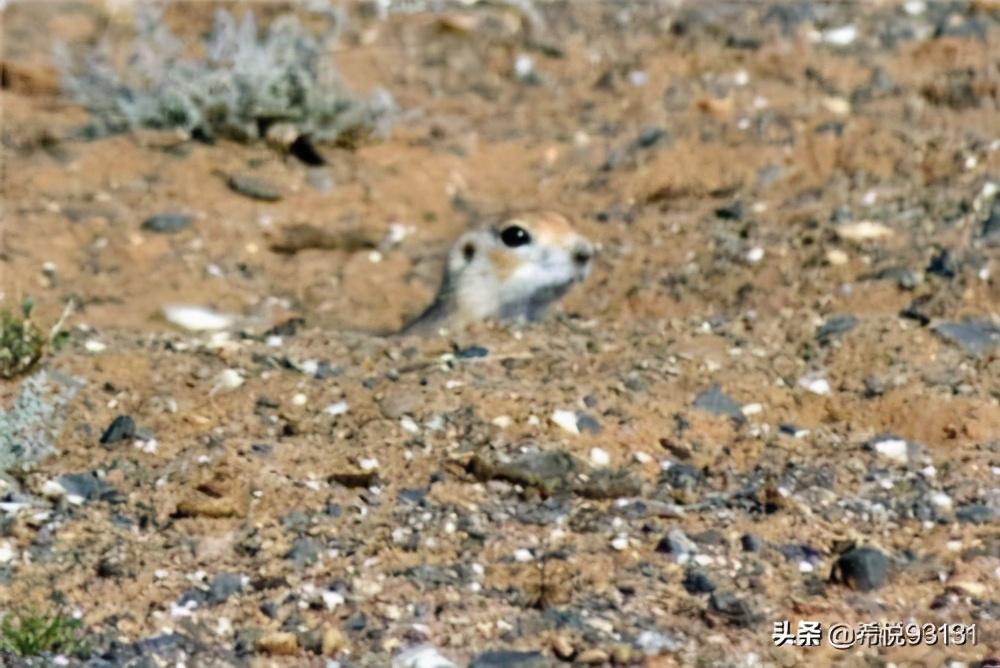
{"x": 582, "y": 254}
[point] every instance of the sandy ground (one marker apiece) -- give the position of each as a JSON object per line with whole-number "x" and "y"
{"x": 725, "y": 157}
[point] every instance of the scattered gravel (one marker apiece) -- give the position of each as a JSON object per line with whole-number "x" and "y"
{"x": 775, "y": 398}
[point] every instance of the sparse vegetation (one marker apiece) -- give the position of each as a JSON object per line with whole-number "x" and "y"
{"x": 30, "y": 633}
{"x": 240, "y": 84}
{"x": 21, "y": 342}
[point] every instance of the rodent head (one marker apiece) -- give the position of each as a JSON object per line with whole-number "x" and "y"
{"x": 515, "y": 267}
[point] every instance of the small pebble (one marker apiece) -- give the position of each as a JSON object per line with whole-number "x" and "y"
{"x": 167, "y": 223}
{"x": 196, "y": 318}
{"x": 896, "y": 449}
{"x": 523, "y": 555}
{"x": 567, "y": 420}
{"x": 228, "y": 379}
{"x": 121, "y": 428}
{"x": 863, "y": 569}
{"x": 865, "y": 230}
{"x": 599, "y": 457}
{"x": 253, "y": 188}
{"x": 619, "y": 543}
{"x": 337, "y": 408}
{"x": 815, "y": 383}
{"x": 424, "y": 656}
{"x": 842, "y": 36}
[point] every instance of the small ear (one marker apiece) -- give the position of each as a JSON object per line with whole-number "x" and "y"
{"x": 463, "y": 252}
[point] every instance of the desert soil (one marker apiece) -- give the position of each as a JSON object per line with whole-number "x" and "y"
{"x": 775, "y": 361}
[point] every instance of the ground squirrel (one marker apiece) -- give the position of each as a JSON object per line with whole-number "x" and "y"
{"x": 509, "y": 269}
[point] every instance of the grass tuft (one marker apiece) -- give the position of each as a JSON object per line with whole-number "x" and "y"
{"x": 21, "y": 342}
{"x": 235, "y": 85}
{"x": 29, "y": 633}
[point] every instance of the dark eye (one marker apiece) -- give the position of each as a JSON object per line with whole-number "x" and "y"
{"x": 515, "y": 236}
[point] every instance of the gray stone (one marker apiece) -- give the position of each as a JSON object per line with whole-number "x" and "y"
{"x": 223, "y": 586}
{"x": 835, "y": 327}
{"x": 167, "y": 223}
{"x": 714, "y": 401}
{"x": 304, "y": 552}
{"x": 510, "y": 659}
{"x": 976, "y": 337}
{"x": 677, "y": 544}
{"x": 735, "y": 611}
{"x": 85, "y": 485}
{"x": 121, "y": 428}
{"x": 862, "y": 568}
{"x": 976, "y": 513}
{"x": 254, "y": 188}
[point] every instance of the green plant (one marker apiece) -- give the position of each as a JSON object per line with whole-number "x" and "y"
{"x": 29, "y": 633}
{"x": 21, "y": 342}
{"x": 237, "y": 84}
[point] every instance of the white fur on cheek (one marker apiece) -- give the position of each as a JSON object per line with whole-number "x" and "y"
{"x": 533, "y": 276}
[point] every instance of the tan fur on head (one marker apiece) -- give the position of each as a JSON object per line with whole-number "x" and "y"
{"x": 510, "y": 269}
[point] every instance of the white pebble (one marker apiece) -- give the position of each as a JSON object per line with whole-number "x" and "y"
{"x": 52, "y": 489}
{"x": 865, "y": 230}
{"x": 299, "y": 399}
{"x": 523, "y": 66}
{"x": 338, "y": 408}
{"x": 147, "y": 446}
{"x": 620, "y": 543}
{"x": 196, "y": 318}
{"x": 523, "y": 555}
{"x": 841, "y": 36}
{"x": 332, "y": 600}
{"x": 407, "y": 423}
{"x": 424, "y": 656}
{"x": 224, "y": 627}
{"x": 941, "y": 501}
{"x": 755, "y": 255}
{"x": 642, "y": 457}
{"x": 566, "y": 420}
{"x": 228, "y": 379}
{"x": 895, "y": 449}
{"x": 502, "y": 421}
{"x": 95, "y": 346}
{"x": 599, "y": 457}
{"x": 368, "y": 464}
{"x": 274, "y": 341}
{"x": 185, "y": 610}
{"x": 638, "y": 78}
{"x": 815, "y": 383}
{"x": 7, "y": 553}
{"x": 836, "y": 257}
{"x": 752, "y": 409}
